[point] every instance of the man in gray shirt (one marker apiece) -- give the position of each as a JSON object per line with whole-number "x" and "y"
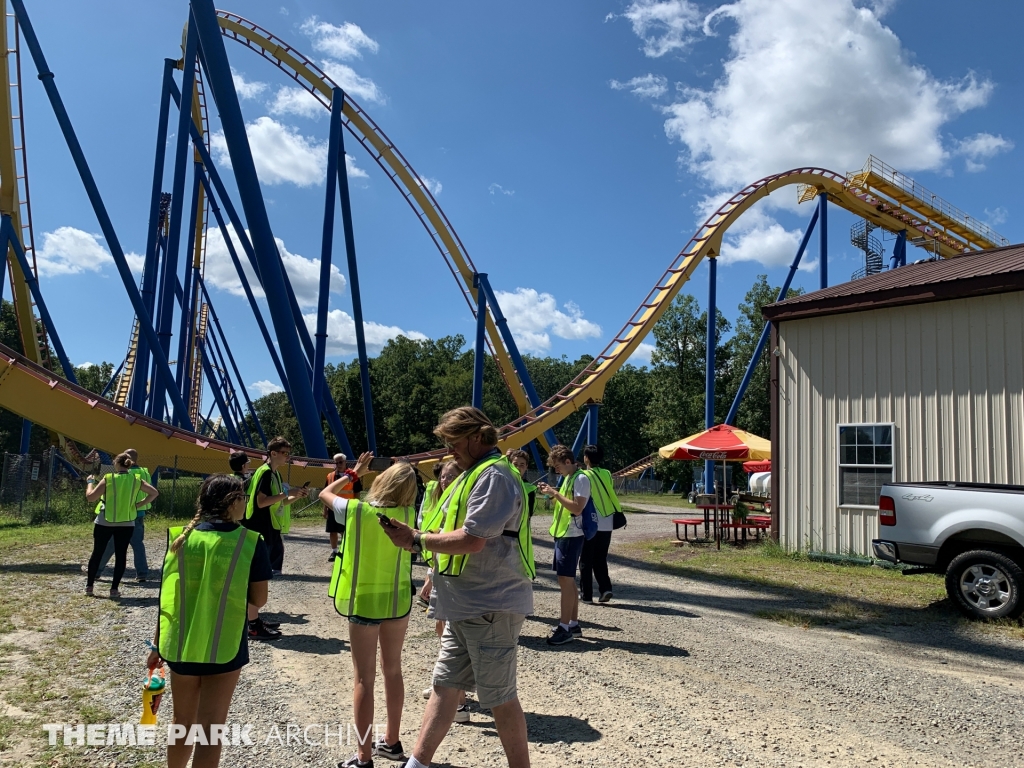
{"x": 482, "y": 585}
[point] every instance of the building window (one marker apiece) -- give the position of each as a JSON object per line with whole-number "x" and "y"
{"x": 865, "y": 462}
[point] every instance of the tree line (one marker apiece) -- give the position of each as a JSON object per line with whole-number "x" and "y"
{"x": 414, "y": 382}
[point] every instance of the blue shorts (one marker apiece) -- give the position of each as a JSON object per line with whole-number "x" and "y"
{"x": 567, "y": 555}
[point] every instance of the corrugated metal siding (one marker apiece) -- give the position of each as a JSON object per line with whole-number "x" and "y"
{"x": 950, "y": 375}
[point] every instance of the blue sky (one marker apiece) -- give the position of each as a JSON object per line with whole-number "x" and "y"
{"x": 576, "y": 147}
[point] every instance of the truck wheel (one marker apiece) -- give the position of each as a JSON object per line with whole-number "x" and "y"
{"x": 985, "y": 585}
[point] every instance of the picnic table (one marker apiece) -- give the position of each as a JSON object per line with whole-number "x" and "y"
{"x": 719, "y": 518}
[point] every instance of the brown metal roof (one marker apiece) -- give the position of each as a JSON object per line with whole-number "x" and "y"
{"x": 999, "y": 270}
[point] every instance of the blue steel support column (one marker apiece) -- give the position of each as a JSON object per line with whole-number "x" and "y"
{"x": 26, "y": 435}
{"x": 137, "y": 394}
{"x": 113, "y": 378}
{"x": 752, "y": 365}
{"x": 536, "y": 456}
{"x": 353, "y": 270}
{"x": 581, "y": 436}
{"x": 899, "y": 251}
{"x": 218, "y": 70}
{"x": 33, "y": 285}
{"x": 165, "y": 311}
{"x": 186, "y": 290}
{"x": 592, "y": 423}
{"x": 189, "y": 334}
{"x": 221, "y": 406}
{"x": 709, "y": 380}
{"x": 231, "y": 359}
{"x": 230, "y": 394}
{"x": 106, "y": 226}
{"x": 327, "y": 245}
{"x": 513, "y": 352}
{"x": 6, "y": 228}
{"x": 481, "y": 350}
{"x": 823, "y": 237}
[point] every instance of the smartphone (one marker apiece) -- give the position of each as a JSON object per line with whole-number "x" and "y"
{"x": 384, "y": 520}
{"x": 306, "y": 484}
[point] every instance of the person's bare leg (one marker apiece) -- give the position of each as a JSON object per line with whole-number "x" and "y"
{"x": 437, "y": 720}
{"x": 567, "y": 603}
{"x": 185, "y": 697}
{"x": 214, "y": 702}
{"x": 575, "y": 602}
{"x": 439, "y": 628}
{"x": 251, "y": 612}
{"x": 392, "y": 638}
{"x": 334, "y": 540}
{"x": 362, "y": 642}
{"x": 510, "y": 722}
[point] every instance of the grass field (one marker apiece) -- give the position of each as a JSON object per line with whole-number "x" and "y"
{"x": 658, "y": 499}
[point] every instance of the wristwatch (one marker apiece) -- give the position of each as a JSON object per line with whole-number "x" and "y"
{"x": 417, "y": 539}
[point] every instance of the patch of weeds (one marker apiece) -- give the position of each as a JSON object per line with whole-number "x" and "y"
{"x": 1006, "y": 627}
{"x": 6, "y": 730}
{"x": 846, "y": 611}
{"x": 789, "y": 618}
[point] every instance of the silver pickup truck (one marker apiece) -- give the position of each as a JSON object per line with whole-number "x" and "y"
{"x": 972, "y": 532}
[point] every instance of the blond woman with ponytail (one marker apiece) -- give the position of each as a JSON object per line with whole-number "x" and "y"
{"x": 212, "y": 569}
{"x": 119, "y": 495}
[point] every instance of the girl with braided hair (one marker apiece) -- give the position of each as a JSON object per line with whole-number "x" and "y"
{"x": 213, "y": 568}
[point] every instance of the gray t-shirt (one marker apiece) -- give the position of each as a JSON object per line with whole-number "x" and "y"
{"x": 493, "y": 580}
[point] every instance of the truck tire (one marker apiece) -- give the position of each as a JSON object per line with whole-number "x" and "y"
{"x": 985, "y": 585}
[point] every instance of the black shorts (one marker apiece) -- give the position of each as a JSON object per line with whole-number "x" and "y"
{"x": 332, "y": 524}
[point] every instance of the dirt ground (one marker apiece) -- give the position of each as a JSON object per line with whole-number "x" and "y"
{"x": 673, "y": 671}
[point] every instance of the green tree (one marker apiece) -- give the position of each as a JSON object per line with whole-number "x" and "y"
{"x": 95, "y": 377}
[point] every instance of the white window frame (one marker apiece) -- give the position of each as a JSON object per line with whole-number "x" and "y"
{"x": 840, "y": 466}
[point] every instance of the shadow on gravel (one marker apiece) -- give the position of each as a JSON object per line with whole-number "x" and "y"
{"x": 934, "y": 626}
{"x": 139, "y": 602}
{"x": 552, "y": 621}
{"x": 319, "y": 646}
{"x": 303, "y": 577}
{"x": 42, "y": 568}
{"x": 656, "y": 610}
{"x": 549, "y": 729}
{"x": 587, "y": 644}
{"x": 286, "y": 618}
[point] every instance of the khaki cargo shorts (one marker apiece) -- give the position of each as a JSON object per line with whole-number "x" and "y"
{"x": 481, "y": 653}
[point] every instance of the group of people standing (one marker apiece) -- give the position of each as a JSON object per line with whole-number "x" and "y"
{"x": 473, "y": 531}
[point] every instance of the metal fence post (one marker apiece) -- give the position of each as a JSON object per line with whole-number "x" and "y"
{"x": 174, "y": 484}
{"x": 49, "y": 483}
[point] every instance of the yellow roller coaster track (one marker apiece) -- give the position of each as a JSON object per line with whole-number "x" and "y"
{"x": 36, "y": 394}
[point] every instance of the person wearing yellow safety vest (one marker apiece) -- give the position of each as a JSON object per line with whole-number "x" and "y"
{"x": 372, "y": 586}
{"x": 268, "y": 511}
{"x": 138, "y": 540}
{"x": 483, "y": 583}
{"x": 349, "y": 490}
{"x": 567, "y": 528}
{"x": 594, "y": 560}
{"x": 212, "y": 569}
{"x": 123, "y": 495}
{"x": 520, "y": 461}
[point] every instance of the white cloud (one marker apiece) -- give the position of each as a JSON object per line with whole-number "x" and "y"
{"x": 353, "y": 83}
{"x": 264, "y": 387}
{"x": 495, "y": 188}
{"x": 533, "y": 316}
{"x": 980, "y": 147}
{"x": 86, "y": 365}
{"x": 296, "y": 101}
{"x": 304, "y": 273}
{"x": 355, "y": 172}
{"x": 246, "y": 89}
{"x": 341, "y": 42}
{"x": 996, "y": 216}
{"x": 341, "y": 333}
{"x": 280, "y": 152}
{"x": 433, "y": 185}
{"x": 642, "y": 354}
{"x": 646, "y": 87}
{"x": 663, "y": 25}
{"x": 812, "y": 83}
{"x": 71, "y": 251}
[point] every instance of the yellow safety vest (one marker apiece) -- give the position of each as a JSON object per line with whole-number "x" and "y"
{"x": 373, "y": 578}
{"x": 120, "y": 497}
{"x": 433, "y": 520}
{"x": 563, "y": 517}
{"x": 602, "y": 491}
{"x": 453, "y": 565}
{"x": 146, "y": 478}
{"x": 280, "y": 513}
{"x": 203, "y": 595}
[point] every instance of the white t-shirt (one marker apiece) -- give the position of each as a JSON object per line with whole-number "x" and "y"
{"x": 580, "y": 487}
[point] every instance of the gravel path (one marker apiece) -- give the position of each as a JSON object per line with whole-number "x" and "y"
{"x": 674, "y": 671}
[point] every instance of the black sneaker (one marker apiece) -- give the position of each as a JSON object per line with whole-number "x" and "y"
{"x": 560, "y": 636}
{"x": 354, "y": 762}
{"x": 576, "y": 630}
{"x": 333, "y": 557}
{"x": 271, "y": 624}
{"x": 390, "y": 751}
{"x": 605, "y": 597}
{"x": 260, "y": 631}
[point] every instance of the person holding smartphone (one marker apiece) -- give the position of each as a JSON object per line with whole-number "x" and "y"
{"x": 372, "y": 587}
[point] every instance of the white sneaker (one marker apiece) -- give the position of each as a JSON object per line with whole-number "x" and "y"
{"x": 462, "y": 714}
{"x": 427, "y": 692}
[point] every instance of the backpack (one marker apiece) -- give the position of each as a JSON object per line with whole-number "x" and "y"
{"x": 588, "y": 519}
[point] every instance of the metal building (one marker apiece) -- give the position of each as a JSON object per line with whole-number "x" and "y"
{"x": 913, "y": 374}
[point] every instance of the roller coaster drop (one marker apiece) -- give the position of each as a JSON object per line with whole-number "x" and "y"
{"x": 135, "y": 414}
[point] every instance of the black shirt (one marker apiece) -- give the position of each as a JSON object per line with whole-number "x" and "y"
{"x": 260, "y": 520}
